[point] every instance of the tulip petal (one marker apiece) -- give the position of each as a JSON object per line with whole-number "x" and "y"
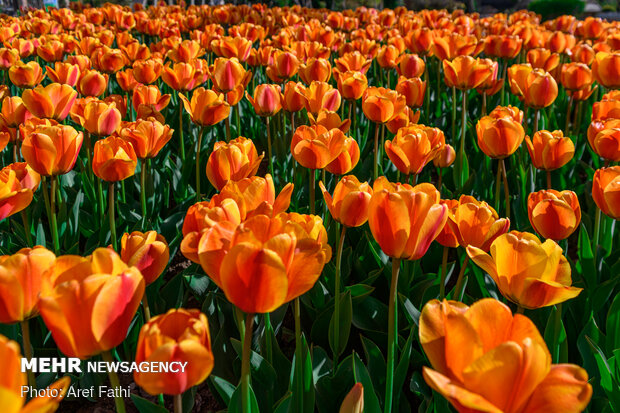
{"x": 564, "y": 390}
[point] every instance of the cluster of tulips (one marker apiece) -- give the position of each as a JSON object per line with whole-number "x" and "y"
{"x": 110, "y": 118}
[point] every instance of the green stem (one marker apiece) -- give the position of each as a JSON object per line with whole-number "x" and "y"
{"x": 463, "y": 132}
{"x": 506, "y": 189}
{"x": 337, "y": 298}
{"x": 298, "y": 363}
{"x": 238, "y": 119}
{"x": 312, "y": 190}
{"x": 245, "y": 363}
{"x": 178, "y": 403}
{"x": 146, "y": 308}
{"x": 444, "y": 269}
{"x": 427, "y": 93}
{"x": 536, "y": 112}
{"x": 181, "y": 138}
{"x": 568, "y": 110}
{"x": 26, "y": 223}
{"x": 375, "y": 167}
{"x": 453, "y": 113}
{"x": 111, "y": 215}
{"x": 392, "y": 333}
{"x": 28, "y": 351}
{"x": 459, "y": 290}
{"x": 504, "y": 69}
{"x": 498, "y": 183}
{"x": 240, "y": 323}
{"x": 227, "y": 122}
{"x": 123, "y": 192}
{"x": 198, "y": 146}
{"x": 143, "y": 187}
{"x": 597, "y": 232}
{"x": 53, "y": 222}
{"x": 520, "y": 309}
{"x": 118, "y": 401}
{"x": 100, "y": 201}
{"x": 548, "y": 179}
{"x": 269, "y": 148}
{"x": 557, "y": 327}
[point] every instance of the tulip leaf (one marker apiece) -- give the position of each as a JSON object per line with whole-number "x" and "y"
{"x": 612, "y": 326}
{"x": 263, "y": 375}
{"x": 223, "y": 388}
{"x": 303, "y": 380}
{"x": 371, "y": 401}
{"x": 331, "y": 389}
{"x": 555, "y": 336}
{"x": 403, "y": 367}
{"x": 236, "y": 405}
{"x": 370, "y": 315}
{"x": 376, "y": 365}
{"x": 145, "y": 406}
{"x": 344, "y": 324}
{"x": 586, "y": 258}
{"x": 609, "y": 383}
{"x": 284, "y": 404}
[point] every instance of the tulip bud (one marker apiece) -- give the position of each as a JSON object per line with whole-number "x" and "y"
{"x": 352, "y": 85}
{"x": 445, "y": 157}
{"x": 65, "y": 143}
{"x": 499, "y": 138}
{"x": 147, "y": 136}
{"x": 354, "y": 400}
{"x": 550, "y": 150}
{"x": 234, "y": 161}
{"x": 114, "y": 159}
{"x": 380, "y": 105}
{"x": 206, "y": 107}
{"x": 606, "y": 192}
{"x": 554, "y": 215}
{"x": 267, "y": 99}
{"x": 148, "y": 252}
{"x": 349, "y": 205}
{"x": 53, "y": 101}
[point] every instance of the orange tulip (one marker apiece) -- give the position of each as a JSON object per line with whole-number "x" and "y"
{"x": 404, "y": 220}
{"x": 352, "y": 84}
{"x": 527, "y": 272}
{"x": 52, "y": 150}
{"x": 503, "y": 47}
{"x": 8, "y": 58}
{"x": 100, "y": 118}
{"x": 53, "y": 101}
{"x": 149, "y": 96}
{"x": 388, "y": 56}
{"x": 114, "y": 159}
{"x": 314, "y": 69}
{"x": 554, "y": 215}
{"x": 448, "y": 47}
{"x": 550, "y": 150}
{"x": 51, "y": 51}
{"x": 380, "y": 105}
{"x": 13, "y": 382}
{"x": 349, "y": 205}
{"x": 354, "y": 400}
{"x": 412, "y": 148}
{"x": 558, "y": 42}
{"x": 180, "y": 336}
{"x": 476, "y": 223}
{"x": 330, "y": 120}
{"x": 413, "y": 89}
{"x": 465, "y": 72}
{"x": 285, "y": 65}
{"x": 606, "y": 143}
{"x": 184, "y": 77}
{"x": 64, "y": 73}
{"x": 126, "y": 80}
{"x": 92, "y": 83}
{"x": 582, "y": 53}
{"x": 22, "y": 274}
{"x": 576, "y": 76}
{"x": 147, "y": 71}
{"x": 102, "y": 290}
{"x": 147, "y": 251}
{"x": 354, "y": 62}
{"x": 229, "y": 74}
{"x": 17, "y": 183}
{"x": 108, "y": 60}
{"x": 543, "y": 59}
{"x": 605, "y": 191}
{"x": 464, "y": 343}
{"x": 314, "y": 147}
{"x": 206, "y": 107}
{"x": 410, "y": 66}
{"x": 228, "y": 47}
{"x": 234, "y": 161}
{"x": 606, "y": 109}
{"x": 186, "y": 51}
{"x": 348, "y": 158}
{"x": 447, "y": 237}
{"x": 320, "y": 96}
{"x": 419, "y": 40}
{"x": 267, "y": 99}
{"x": 499, "y": 137}
{"x": 147, "y": 136}
{"x": 26, "y": 75}
{"x": 14, "y": 112}
{"x": 445, "y": 157}
{"x": 293, "y": 99}
{"x": 405, "y": 118}
{"x": 605, "y": 68}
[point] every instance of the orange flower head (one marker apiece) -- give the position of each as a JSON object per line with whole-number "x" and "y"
{"x": 413, "y": 89}
{"x": 147, "y": 251}
{"x": 330, "y": 120}
{"x": 17, "y": 183}
{"x": 543, "y": 59}
{"x": 51, "y": 51}
{"x": 186, "y": 51}
{"x": 126, "y": 80}
{"x": 53, "y": 101}
{"x": 354, "y": 400}
{"x": 147, "y": 136}
{"x": 206, "y": 107}
{"x": 64, "y": 73}
{"x": 476, "y": 223}
{"x": 605, "y": 68}
{"x": 320, "y": 96}
{"x": 234, "y": 161}
{"x": 461, "y": 343}
{"x": 184, "y": 77}
{"x": 445, "y": 157}
{"x": 605, "y": 191}
{"x": 181, "y": 336}
{"x": 26, "y": 75}
{"x": 419, "y": 40}
{"x": 576, "y": 76}
{"x": 499, "y": 137}
{"x": 354, "y": 62}
{"x": 314, "y": 147}
{"x": 100, "y": 118}
{"x": 380, "y": 105}
{"x": 114, "y": 159}
{"x": 404, "y": 220}
{"x": 449, "y": 46}
{"x": 348, "y": 158}
{"x": 550, "y": 150}
{"x": 285, "y": 65}
{"x": 147, "y": 71}
{"x": 527, "y": 272}
{"x": 503, "y": 47}
{"x": 315, "y": 69}
{"x": 352, "y": 84}
{"x": 102, "y": 289}
{"x": 466, "y": 72}
{"x": 228, "y": 47}
{"x": 388, "y": 56}
{"x": 404, "y": 119}
{"x": 149, "y": 96}
{"x": 108, "y": 60}
{"x": 558, "y": 42}
{"x": 539, "y": 89}
{"x": 410, "y": 66}
{"x": 14, "y": 112}
{"x": 8, "y": 58}
{"x": 228, "y": 74}
{"x": 293, "y": 99}
{"x": 349, "y": 204}
{"x": 413, "y": 147}
{"x": 92, "y": 83}
{"x": 267, "y": 100}
{"x": 52, "y": 150}
{"x": 582, "y": 53}
{"x": 554, "y": 215}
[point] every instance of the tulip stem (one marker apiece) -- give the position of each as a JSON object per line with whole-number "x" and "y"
{"x": 100, "y": 201}
{"x": 238, "y": 118}
{"x": 89, "y": 155}
{"x": 453, "y": 113}
{"x": 118, "y": 401}
{"x": 181, "y": 138}
{"x": 337, "y": 298}
{"x": 143, "y": 187}
{"x": 427, "y": 93}
{"x": 484, "y": 104}
{"x": 462, "y": 146}
{"x": 392, "y": 333}
{"x": 298, "y": 364}
{"x": 548, "y": 179}
{"x": 444, "y": 269}
{"x": 245, "y": 363}
{"x": 459, "y": 290}
{"x": 597, "y": 234}
{"x": 198, "y": 147}
{"x": 28, "y": 350}
{"x": 111, "y": 202}
{"x": 504, "y": 70}
{"x": 498, "y": 183}
{"x": 227, "y": 123}
{"x": 53, "y": 222}
{"x": 26, "y": 223}
{"x": 439, "y": 179}
{"x": 146, "y": 308}
{"x": 269, "y": 149}
{"x": 568, "y": 111}
{"x": 312, "y": 189}
{"x": 178, "y": 403}
{"x": 376, "y": 153}
{"x": 536, "y": 112}
{"x": 506, "y": 189}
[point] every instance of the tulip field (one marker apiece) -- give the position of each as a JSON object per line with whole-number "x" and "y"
{"x": 304, "y": 210}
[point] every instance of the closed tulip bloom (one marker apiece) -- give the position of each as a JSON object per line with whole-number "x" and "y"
{"x": 512, "y": 112}
{"x": 314, "y": 69}
{"x": 150, "y": 96}
{"x": 228, "y": 47}
{"x": 21, "y": 275}
{"x": 465, "y": 346}
{"x": 540, "y": 89}
{"x": 147, "y": 251}
{"x": 51, "y": 51}
{"x": 476, "y": 223}
{"x": 114, "y": 159}
{"x": 179, "y": 335}
{"x": 108, "y": 60}
{"x": 380, "y": 105}
{"x": 576, "y": 76}
{"x": 331, "y": 120}
{"x": 26, "y": 75}
{"x": 228, "y": 74}
{"x": 349, "y": 204}
{"x": 8, "y": 58}
{"x": 285, "y": 65}
{"x": 606, "y": 192}
{"x": 348, "y": 158}
{"x": 413, "y": 89}
{"x": 293, "y": 99}
{"x": 352, "y": 84}
{"x": 554, "y": 215}
{"x": 235, "y": 160}
{"x": 411, "y": 149}
{"x": 503, "y": 47}
{"x": 388, "y": 56}
{"x": 186, "y": 51}
{"x": 92, "y": 83}
{"x": 353, "y": 61}
{"x": 314, "y": 147}
{"x": 404, "y": 220}
{"x": 267, "y": 99}
{"x": 126, "y": 80}
{"x": 606, "y": 109}
{"x": 582, "y": 53}
{"x": 100, "y": 118}
{"x": 606, "y": 143}
{"x": 517, "y": 76}
{"x": 64, "y": 73}
{"x": 17, "y": 183}
{"x": 445, "y": 157}
{"x": 527, "y": 272}
{"x": 14, "y": 112}
{"x": 53, "y": 101}
{"x": 410, "y": 66}
{"x": 147, "y": 136}
{"x": 499, "y": 138}
{"x": 544, "y": 59}
{"x": 320, "y": 96}
{"x": 447, "y": 237}
{"x": 52, "y": 150}
{"x": 206, "y": 107}
{"x": 147, "y": 71}
{"x": 88, "y": 303}
{"x": 354, "y": 400}
{"x": 465, "y": 72}
{"x": 550, "y": 150}
{"x": 184, "y": 77}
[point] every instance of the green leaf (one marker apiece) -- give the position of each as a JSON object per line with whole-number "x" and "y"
{"x": 236, "y": 402}
{"x": 145, "y": 406}
{"x": 224, "y": 388}
{"x": 612, "y": 325}
{"x": 608, "y": 381}
{"x": 371, "y": 401}
{"x": 586, "y": 258}
{"x": 555, "y": 336}
{"x": 344, "y": 324}
{"x": 303, "y": 379}
{"x": 403, "y": 367}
